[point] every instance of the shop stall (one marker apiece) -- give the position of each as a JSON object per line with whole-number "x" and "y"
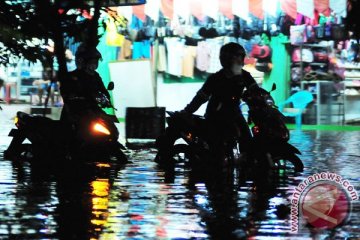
{"x": 296, "y": 44}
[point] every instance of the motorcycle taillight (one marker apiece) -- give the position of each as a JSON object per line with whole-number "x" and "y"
{"x": 255, "y": 130}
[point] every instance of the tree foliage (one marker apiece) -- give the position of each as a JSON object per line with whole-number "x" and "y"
{"x": 28, "y": 25}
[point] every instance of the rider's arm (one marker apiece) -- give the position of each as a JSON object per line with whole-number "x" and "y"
{"x": 202, "y": 96}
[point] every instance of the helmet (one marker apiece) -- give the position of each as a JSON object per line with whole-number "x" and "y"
{"x": 87, "y": 52}
{"x": 229, "y": 51}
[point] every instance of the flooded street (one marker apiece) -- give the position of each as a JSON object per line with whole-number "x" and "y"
{"x": 141, "y": 201}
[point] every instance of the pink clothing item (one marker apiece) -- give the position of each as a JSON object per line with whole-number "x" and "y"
{"x": 203, "y": 56}
{"x": 289, "y": 7}
{"x": 225, "y": 8}
{"x": 255, "y": 7}
{"x": 322, "y": 6}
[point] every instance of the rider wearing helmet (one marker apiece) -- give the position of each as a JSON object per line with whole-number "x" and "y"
{"x": 84, "y": 82}
{"x": 224, "y": 90}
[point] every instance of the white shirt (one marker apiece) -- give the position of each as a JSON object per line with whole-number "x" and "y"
{"x": 175, "y": 50}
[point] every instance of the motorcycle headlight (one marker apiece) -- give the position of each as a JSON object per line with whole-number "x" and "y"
{"x": 98, "y": 127}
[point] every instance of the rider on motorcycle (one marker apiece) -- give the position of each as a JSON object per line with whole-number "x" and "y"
{"x": 83, "y": 84}
{"x": 224, "y": 90}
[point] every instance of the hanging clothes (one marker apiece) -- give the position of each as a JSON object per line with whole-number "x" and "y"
{"x": 214, "y": 60}
{"x": 152, "y": 9}
{"x": 167, "y": 8}
{"x": 255, "y": 7}
{"x": 189, "y": 61}
{"x": 271, "y": 7}
{"x": 225, "y": 7}
{"x": 175, "y": 51}
{"x": 126, "y": 12}
{"x": 339, "y": 7}
{"x": 139, "y": 12}
{"x": 126, "y": 50}
{"x": 306, "y": 8}
{"x": 161, "y": 67}
{"x": 141, "y": 50}
{"x": 289, "y": 7}
{"x": 322, "y": 6}
{"x": 182, "y": 8}
{"x": 203, "y": 56}
{"x": 113, "y": 38}
{"x": 196, "y": 9}
{"x": 211, "y": 8}
{"x": 241, "y": 9}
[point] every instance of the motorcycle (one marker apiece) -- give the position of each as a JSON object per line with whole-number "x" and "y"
{"x": 196, "y": 146}
{"x": 269, "y": 142}
{"x": 270, "y": 134}
{"x": 92, "y": 136}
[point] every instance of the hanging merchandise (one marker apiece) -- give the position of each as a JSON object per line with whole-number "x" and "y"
{"x": 214, "y": 64}
{"x": 202, "y": 56}
{"x": 338, "y": 32}
{"x": 284, "y": 22}
{"x": 196, "y": 9}
{"x": 126, "y": 50}
{"x": 167, "y": 8}
{"x": 322, "y": 6}
{"x": 139, "y": 12}
{"x": 256, "y": 8}
{"x": 262, "y": 52}
{"x": 211, "y": 8}
{"x": 320, "y": 55}
{"x": 339, "y": 7}
{"x": 289, "y": 7}
{"x": 126, "y": 12}
{"x": 297, "y": 34}
{"x": 241, "y": 9}
{"x": 310, "y": 33}
{"x": 188, "y": 64}
{"x": 141, "y": 49}
{"x": 319, "y": 32}
{"x": 225, "y": 7}
{"x": 305, "y": 55}
{"x": 271, "y": 7}
{"x": 113, "y": 38}
{"x": 306, "y": 7}
{"x": 182, "y": 8}
{"x": 175, "y": 50}
{"x": 152, "y": 9}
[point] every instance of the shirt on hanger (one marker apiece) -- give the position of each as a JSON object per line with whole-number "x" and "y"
{"x": 125, "y": 51}
{"x": 189, "y": 61}
{"x": 214, "y": 64}
{"x": 175, "y": 50}
{"x": 202, "y": 56}
{"x": 162, "y": 58}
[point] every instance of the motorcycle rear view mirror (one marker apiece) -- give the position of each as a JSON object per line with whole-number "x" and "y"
{"x": 110, "y": 86}
{"x": 273, "y": 88}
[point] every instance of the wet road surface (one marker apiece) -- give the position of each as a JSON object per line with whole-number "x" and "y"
{"x": 141, "y": 201}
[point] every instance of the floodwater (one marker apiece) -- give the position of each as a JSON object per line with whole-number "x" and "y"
{"x": 141, "y": 201}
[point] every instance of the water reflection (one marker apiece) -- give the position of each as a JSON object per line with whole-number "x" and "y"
{"x": 141, "y": 201}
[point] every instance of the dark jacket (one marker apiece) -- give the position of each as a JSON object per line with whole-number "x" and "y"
{"x": 224, "y": 93}
{"x": 79, "y": 90}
